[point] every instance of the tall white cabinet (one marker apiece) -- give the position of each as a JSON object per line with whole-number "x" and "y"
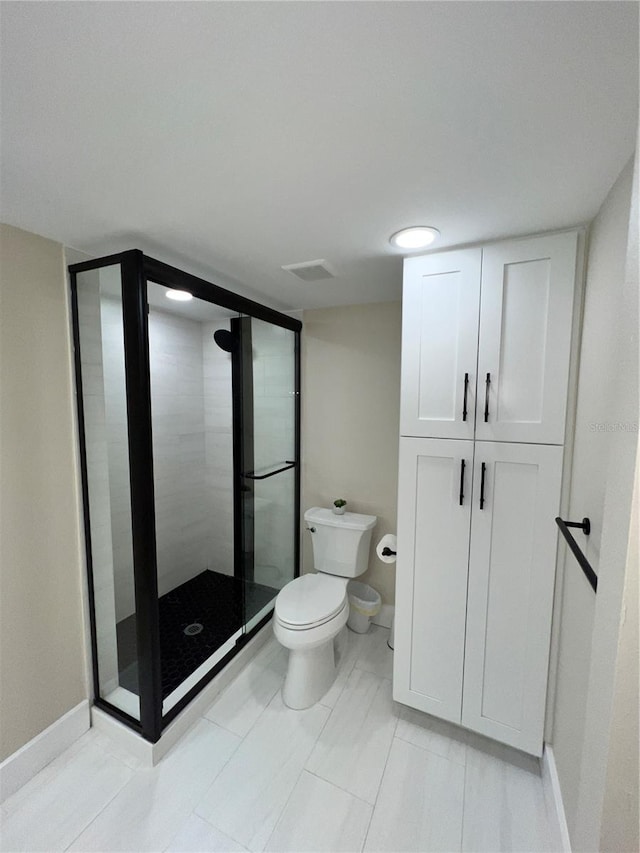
{"x": 485, "y": 364}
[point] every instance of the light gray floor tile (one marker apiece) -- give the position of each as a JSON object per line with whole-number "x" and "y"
{"x": 376, "y": 656}
{"x": 240, "y": 705}
{"x": 352, "y": 750}
{"x": 349, "y": 646}
{"x": 273, "y": 656}
{"x": 150, "y": 809}
{"x": 419, "y": 807}
{"x": 247, "y": 798}
{"x": 59, "y": 802}
{"x": 504, "y": 804}
{"x": 320, "y": 817}
{"x": 88, "y": 797}
{"x": 437, "y": 736}
{"x": 196, "y": 836}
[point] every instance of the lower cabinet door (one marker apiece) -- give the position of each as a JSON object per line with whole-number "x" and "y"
{"x": 516, "y": 494}
{"x": 434, "y": 513}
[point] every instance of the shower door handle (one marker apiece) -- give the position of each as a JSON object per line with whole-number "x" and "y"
{"x": 251, "y": 475}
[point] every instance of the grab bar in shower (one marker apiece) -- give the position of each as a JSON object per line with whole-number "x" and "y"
{"x": 251, "y": 475}
{"x": 585, "y": 565}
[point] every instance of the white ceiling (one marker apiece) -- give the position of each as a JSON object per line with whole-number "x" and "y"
{"x": 232, "y": 138}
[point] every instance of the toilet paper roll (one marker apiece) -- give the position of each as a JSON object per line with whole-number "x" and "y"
{"x": 388, "y": 541}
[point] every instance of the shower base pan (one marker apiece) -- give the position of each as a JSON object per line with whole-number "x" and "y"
{"x": 196, "y": 619}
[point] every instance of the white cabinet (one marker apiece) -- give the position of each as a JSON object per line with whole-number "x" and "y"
{"x": 476, "y": 561}
{"x": 510, "y": 591}
{"x": 485, "y": 365}
{"x": 434, "y": 516}
{"x": 441, "y": 298}
{"x": 494, "y": 323}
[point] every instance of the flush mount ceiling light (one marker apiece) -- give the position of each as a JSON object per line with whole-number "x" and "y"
{"x": 179, "y": 295}
{"x": 416, "y": 237}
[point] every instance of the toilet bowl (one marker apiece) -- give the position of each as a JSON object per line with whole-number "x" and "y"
{"x": 311, "y": 610}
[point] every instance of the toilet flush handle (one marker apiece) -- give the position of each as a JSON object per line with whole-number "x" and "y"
{"x": 311, "y": 529}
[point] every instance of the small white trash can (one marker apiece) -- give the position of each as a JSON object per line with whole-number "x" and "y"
{"x": 364, "y": 602}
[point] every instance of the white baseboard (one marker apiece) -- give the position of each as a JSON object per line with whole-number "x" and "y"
{"x": 149, "y": 754}
{"x": 385, "y": 617}
{"x": 553, "y": 795}
{"x": 17, "y": 769}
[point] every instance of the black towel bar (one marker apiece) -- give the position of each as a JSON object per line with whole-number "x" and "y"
{"x": 585, "y": 565}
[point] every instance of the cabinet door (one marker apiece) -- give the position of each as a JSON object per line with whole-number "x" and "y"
{"x": 431, "y": 574}
{"x": 525, "y": 336}
{"x": 511, "y": 579}
{"x": 441, "y": 298}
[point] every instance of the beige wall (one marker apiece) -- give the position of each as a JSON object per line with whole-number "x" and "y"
{"x": 42, "y": 660}
{"x": 350, "y": 419}
{"x": 601, "y": 483}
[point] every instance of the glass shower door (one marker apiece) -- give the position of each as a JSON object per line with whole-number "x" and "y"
{"x": 268, "y": 466}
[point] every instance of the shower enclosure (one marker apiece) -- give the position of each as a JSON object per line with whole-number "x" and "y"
{"x": 189, "y": 425}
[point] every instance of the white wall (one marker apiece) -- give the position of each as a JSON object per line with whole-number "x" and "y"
{"x": 607, "y": 395}
{"x": 614, "y": 548}
{"x": 620, "y": 828}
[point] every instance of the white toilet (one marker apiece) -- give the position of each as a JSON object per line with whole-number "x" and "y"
{"x": 311, "y": 610}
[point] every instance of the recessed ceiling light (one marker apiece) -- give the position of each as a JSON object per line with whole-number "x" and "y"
{"x": 179, "y": 295}
{"x": 416, "y": 237}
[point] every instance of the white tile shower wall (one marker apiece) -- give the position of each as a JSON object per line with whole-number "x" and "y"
{"x": 218, "y": 439}
{"x": 192, "y": 450}
{"x": 177, "y": 402}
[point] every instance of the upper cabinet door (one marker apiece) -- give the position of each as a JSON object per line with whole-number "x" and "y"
{"x": 525, "y": 338}
{"x": 440, "y": 307}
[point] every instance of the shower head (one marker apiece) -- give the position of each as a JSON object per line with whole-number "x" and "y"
{"x": 225, "y": 339}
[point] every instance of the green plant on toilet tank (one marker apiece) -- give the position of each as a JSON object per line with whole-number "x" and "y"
{"x": 338, "y": 506}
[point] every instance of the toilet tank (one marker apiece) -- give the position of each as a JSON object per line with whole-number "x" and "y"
{"x": 340, "y": 542}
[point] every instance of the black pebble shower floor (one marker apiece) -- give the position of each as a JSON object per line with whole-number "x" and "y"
{"x": 211, "y": 599}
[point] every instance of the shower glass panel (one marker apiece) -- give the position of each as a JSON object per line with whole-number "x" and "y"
{"x": 101, "y": 371}
{"x": 269, "y": 477}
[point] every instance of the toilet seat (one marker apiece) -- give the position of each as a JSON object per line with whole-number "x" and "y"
{"x": 310, "y": 601}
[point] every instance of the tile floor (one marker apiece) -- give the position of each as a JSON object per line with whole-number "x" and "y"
{"x": 355, "y": 772}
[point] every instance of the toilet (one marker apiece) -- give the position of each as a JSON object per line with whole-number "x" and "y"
{"x": 311, "y": 610}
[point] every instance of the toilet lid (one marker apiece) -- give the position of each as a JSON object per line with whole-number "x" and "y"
{"x": 310, "y": 599}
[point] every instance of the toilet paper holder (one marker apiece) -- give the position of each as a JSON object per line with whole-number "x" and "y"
{"x": 387, "y": 552}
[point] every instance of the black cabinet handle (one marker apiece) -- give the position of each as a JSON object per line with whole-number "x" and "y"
{"x": 486, "y": 397}
{"x": 464, "y": 400}
{"x": 462, "y": 464}
{"x": 483, "y": 468}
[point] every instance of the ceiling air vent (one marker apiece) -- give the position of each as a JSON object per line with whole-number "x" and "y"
{"x": 310, "y": 270}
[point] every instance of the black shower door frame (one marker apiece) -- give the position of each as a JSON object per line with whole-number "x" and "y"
{"x": 136, "y": 270}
